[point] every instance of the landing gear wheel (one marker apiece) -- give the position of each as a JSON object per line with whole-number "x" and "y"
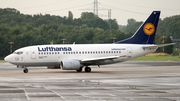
{"x": 79, "y": 70}
{"x": 25, "y": 70}
{"x": 87, "y": 69}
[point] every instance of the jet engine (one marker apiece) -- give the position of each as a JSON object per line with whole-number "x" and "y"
{"x": 70, "y": 65}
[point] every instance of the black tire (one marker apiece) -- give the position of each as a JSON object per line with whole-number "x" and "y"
{"x": 25, "y": 70}
{"x": 87, "y": 69}
{"x": 79, "y": 70}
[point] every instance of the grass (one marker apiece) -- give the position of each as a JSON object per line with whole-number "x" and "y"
{"x": 158, "y": 57}
{"x": 2, "y": 61}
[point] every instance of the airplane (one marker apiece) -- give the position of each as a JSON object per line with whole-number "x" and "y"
{"x": 79, "y": 56}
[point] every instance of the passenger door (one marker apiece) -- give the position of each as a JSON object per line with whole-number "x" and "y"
{"x": 129, "y": 52}
{"x": 33, "y": 53}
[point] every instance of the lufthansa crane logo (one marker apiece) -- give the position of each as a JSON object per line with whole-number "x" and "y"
{"x": 149, "y": 28}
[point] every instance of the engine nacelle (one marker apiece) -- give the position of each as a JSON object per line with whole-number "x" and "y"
{"x": 70, "y": 65}
{"x": 53, "y": 67}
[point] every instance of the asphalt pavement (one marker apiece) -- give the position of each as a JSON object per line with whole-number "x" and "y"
{"x": 127, "y": 81}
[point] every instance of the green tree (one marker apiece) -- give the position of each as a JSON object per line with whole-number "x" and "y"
{"x": 168, "y": 49}
{"x": 132, "y": 26}
{"x": 70, "y": 17}
{"x": 112, "y": 24}
{"x": 93, "y": 21}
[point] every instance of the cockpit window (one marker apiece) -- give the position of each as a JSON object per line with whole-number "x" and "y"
{"x": 20, "y": 52}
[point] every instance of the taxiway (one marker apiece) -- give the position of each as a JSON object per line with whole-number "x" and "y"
{"x": 128, "y": 81}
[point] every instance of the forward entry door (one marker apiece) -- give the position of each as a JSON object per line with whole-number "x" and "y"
{"x": 33, "y": 54}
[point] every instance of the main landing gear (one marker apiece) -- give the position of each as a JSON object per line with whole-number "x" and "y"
{"x": 86, "y": 69}
{"x": 79, "y": 70}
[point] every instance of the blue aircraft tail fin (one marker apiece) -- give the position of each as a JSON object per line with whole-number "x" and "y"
{"x": 146, "y": 32}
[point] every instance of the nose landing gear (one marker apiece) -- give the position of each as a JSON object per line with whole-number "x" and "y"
{"x": 25, "y": 70}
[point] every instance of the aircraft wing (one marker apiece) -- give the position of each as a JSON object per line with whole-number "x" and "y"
{"x": 98, "y": 59}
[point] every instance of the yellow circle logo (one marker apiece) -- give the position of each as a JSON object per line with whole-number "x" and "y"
{"x": 149, "y": 29}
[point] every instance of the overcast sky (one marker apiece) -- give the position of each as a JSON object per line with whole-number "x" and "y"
{"x": 121, "y": 10}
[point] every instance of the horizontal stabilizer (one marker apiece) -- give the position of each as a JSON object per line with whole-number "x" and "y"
{"x": 157, "y": 46}
{"x": 162, "y": 45}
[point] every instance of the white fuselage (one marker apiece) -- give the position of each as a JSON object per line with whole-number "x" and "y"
{"x": 52, "y": 55}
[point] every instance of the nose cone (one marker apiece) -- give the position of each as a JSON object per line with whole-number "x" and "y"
{"x": 8, "y": 58}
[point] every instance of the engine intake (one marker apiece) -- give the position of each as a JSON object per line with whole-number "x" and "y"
{"x": 70, "y": 65}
